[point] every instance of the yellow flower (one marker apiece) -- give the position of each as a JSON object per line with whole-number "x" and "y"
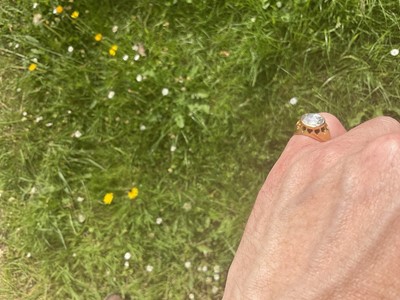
{"x": 133, "y": 193}
{"x": 75, "y": 15}
{"x": 108, "y": 198}
{"x": 113, "y": 50}
{"x": 98, "y": 37}
{"x": 59, "y": 9}
{"x": 32, "y": 67}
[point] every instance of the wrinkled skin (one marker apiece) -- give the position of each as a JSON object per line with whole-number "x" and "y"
{"x": 326, "y": 222}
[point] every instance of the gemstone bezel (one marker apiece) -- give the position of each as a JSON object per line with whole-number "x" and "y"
{"x": 312, "y": 120}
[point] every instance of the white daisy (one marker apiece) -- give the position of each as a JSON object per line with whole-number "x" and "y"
{"x": 293, "y": 101}
{"x": 394, "y": 52}
{"x": 217, "y": 269}
{"x": 149, "y": 268}
{"x": 165, "y": 91}
{"x": 111, "y": 94}
{"x": 81, "y": 218}
{"x": 77, "y": 134}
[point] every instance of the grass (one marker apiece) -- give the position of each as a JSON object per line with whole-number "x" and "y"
{"x": 197, "y": 155}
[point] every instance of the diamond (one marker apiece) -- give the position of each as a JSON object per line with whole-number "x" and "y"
{"x": 312, "y": 120}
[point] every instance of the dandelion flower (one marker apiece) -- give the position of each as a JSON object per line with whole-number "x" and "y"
{"x": 75, "y": 15}
{"x": 133, "y": 193}
{"x": 32, "y": 67}
{"x": 98, "y": 37}
{"x": 113, "y": 50}
{"x": 58, "y": 10}
{"x": 108, "y": 198}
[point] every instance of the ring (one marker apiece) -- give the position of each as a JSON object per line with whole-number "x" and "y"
{"x": 314, "y": 126}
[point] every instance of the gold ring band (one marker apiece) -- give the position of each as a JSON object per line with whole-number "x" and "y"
{"x": 313, "y": 125}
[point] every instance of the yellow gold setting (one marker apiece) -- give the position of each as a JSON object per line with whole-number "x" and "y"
{"x": 314, "y": 126}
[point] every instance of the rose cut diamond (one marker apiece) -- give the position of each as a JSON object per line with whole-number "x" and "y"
{"x": 312, "y": 120}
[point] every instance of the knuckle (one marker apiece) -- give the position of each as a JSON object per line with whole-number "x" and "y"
{"x": 389, "y": 122}
{"x": 386, "y": 147}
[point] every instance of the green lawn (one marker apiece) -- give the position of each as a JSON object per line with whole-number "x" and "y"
{"x": 187, "y": 101}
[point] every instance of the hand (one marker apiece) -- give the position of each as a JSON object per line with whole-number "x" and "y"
{"x": 326, "y": 222}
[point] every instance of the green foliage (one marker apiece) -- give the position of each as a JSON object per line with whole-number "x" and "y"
{"x": 194, "y": 116}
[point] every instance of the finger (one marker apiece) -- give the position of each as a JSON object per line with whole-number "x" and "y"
{"x": 297, "y": 142}
{"x": 373, "y": 129}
